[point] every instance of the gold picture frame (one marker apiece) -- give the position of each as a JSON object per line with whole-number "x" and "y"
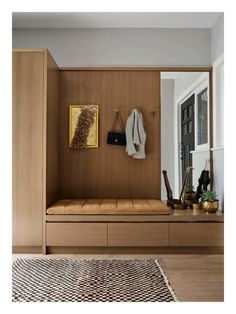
{"x": 74, "y": 114}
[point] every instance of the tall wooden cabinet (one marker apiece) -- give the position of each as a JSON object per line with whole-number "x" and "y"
{"x": 35, "y": 108}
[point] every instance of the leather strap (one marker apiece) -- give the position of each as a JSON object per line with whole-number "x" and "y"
{"x": 118, "y": 119}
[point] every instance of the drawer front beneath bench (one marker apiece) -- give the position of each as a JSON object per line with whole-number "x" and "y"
{"x": 76, "y": 234}
{"x": 138, "y": 234}
{"x": 196, "y": 234}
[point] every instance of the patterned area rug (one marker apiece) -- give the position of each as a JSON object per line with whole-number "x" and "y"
{"x": 71, "y": 280}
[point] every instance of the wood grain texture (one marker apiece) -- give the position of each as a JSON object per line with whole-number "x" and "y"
{"x": 195, "y": 277}
{"x": 52, "y": 164}
{"x": 27, "y": 142}
{"x": 196, "y": 234}
{"x": 120, "y": 250}
{"x": 77, "y": 234}
{"x": 176, "y": 216}
{"x": 138, "y": 234}
{"x": 132, "y": 250}
{"x": 108, "y": 172}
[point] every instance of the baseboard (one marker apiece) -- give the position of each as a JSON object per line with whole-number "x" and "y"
{"x": 134, "y": 250}
{"x": 119, "y": 250}
{"x": 26, "y": 249}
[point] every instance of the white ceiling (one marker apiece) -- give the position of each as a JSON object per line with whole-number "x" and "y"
{"x": 114, "y": 19}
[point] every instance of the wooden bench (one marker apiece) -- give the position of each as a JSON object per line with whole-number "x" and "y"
{"x": 128, "y": 225}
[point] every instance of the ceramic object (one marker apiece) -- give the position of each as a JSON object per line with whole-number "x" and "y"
{"x": 210, "y": 206}
{"x": 196, "y": 206}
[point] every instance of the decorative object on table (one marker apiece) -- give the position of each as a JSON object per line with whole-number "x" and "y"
{"x": 173, "y": 203}
{"x": 196, "y": 205}
{"x": 209, "y": 203}
{"x": 84, "y": 280}
{"x": 203, "y": 182}
{"x": 184, "y": 186}
{"x": 135, "y": 135}
{"x": 83, "y": 126}
{"x": 189, "y": 195}
{"x": 114, "y": 137}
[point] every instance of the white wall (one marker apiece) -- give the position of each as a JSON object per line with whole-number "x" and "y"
{"x": 218, "y": 162}
{"x": 167, "y": 134}
{"x": 183, "y": 82}
{"x": 199, "y": 161}
{"x": 218, "y": 126}
{"x": 217, "y": 38}
{"x": 120, "y": 47}
{"x": 218, "y": 102}
{"x": 217, "y": 58}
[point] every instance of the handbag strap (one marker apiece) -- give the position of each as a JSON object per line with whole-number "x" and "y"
{"x": 118, "y": 119}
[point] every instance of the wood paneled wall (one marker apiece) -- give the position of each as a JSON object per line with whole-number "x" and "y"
{"x": 108, "y": 171}
{"x": 27, "y": 143}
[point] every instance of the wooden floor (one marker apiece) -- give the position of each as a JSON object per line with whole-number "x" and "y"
{"x": 193, "y": 277}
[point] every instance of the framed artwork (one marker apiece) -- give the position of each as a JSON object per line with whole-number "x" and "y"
{"x": 83, "y": 126}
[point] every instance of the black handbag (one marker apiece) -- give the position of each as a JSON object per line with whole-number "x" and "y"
{"x": 117, "y": 138}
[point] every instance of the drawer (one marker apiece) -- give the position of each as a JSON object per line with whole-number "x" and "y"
{"x": 138, "y": 234}
{"x": 76, "y": 234}
{"x": 196, "y": 234}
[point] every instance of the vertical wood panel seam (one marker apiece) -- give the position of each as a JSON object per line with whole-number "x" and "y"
{"x": 107, "y": 234}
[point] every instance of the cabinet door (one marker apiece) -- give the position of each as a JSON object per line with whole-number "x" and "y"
{"x": 138, "y": 234}
{"x": 197, "y": 234}
{"x": 76, "y": 234}
{"x": 27, "y": 141}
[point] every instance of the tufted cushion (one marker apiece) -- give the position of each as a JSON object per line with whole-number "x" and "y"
{"x": 108, "y": 206}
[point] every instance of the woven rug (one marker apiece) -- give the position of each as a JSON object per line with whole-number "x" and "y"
{"x": 71, "y": 280}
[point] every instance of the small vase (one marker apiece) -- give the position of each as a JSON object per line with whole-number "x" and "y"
{"x": 189, "y": 197}
{"x": 210, "y": 206}
{"x": 196, "y": 206}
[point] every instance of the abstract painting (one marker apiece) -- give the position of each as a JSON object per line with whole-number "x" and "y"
{"x": 83, "y": 126}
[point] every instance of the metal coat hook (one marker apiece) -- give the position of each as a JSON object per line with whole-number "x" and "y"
{"x": 116, "y": 111}
{"x": 153, "y": 113}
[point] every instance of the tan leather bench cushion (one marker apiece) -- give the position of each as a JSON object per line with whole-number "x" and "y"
{"x": 108, "y": 206}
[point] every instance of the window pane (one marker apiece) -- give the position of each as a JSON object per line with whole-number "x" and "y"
{"x": 202, "y": 118}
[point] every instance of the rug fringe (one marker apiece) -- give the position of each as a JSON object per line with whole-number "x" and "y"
{"x": 172, "y": 291}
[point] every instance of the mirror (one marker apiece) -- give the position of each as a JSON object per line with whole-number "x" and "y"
{"x": 185, "y": 128}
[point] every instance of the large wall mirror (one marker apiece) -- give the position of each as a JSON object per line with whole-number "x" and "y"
{"x": 185, "y": 127}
